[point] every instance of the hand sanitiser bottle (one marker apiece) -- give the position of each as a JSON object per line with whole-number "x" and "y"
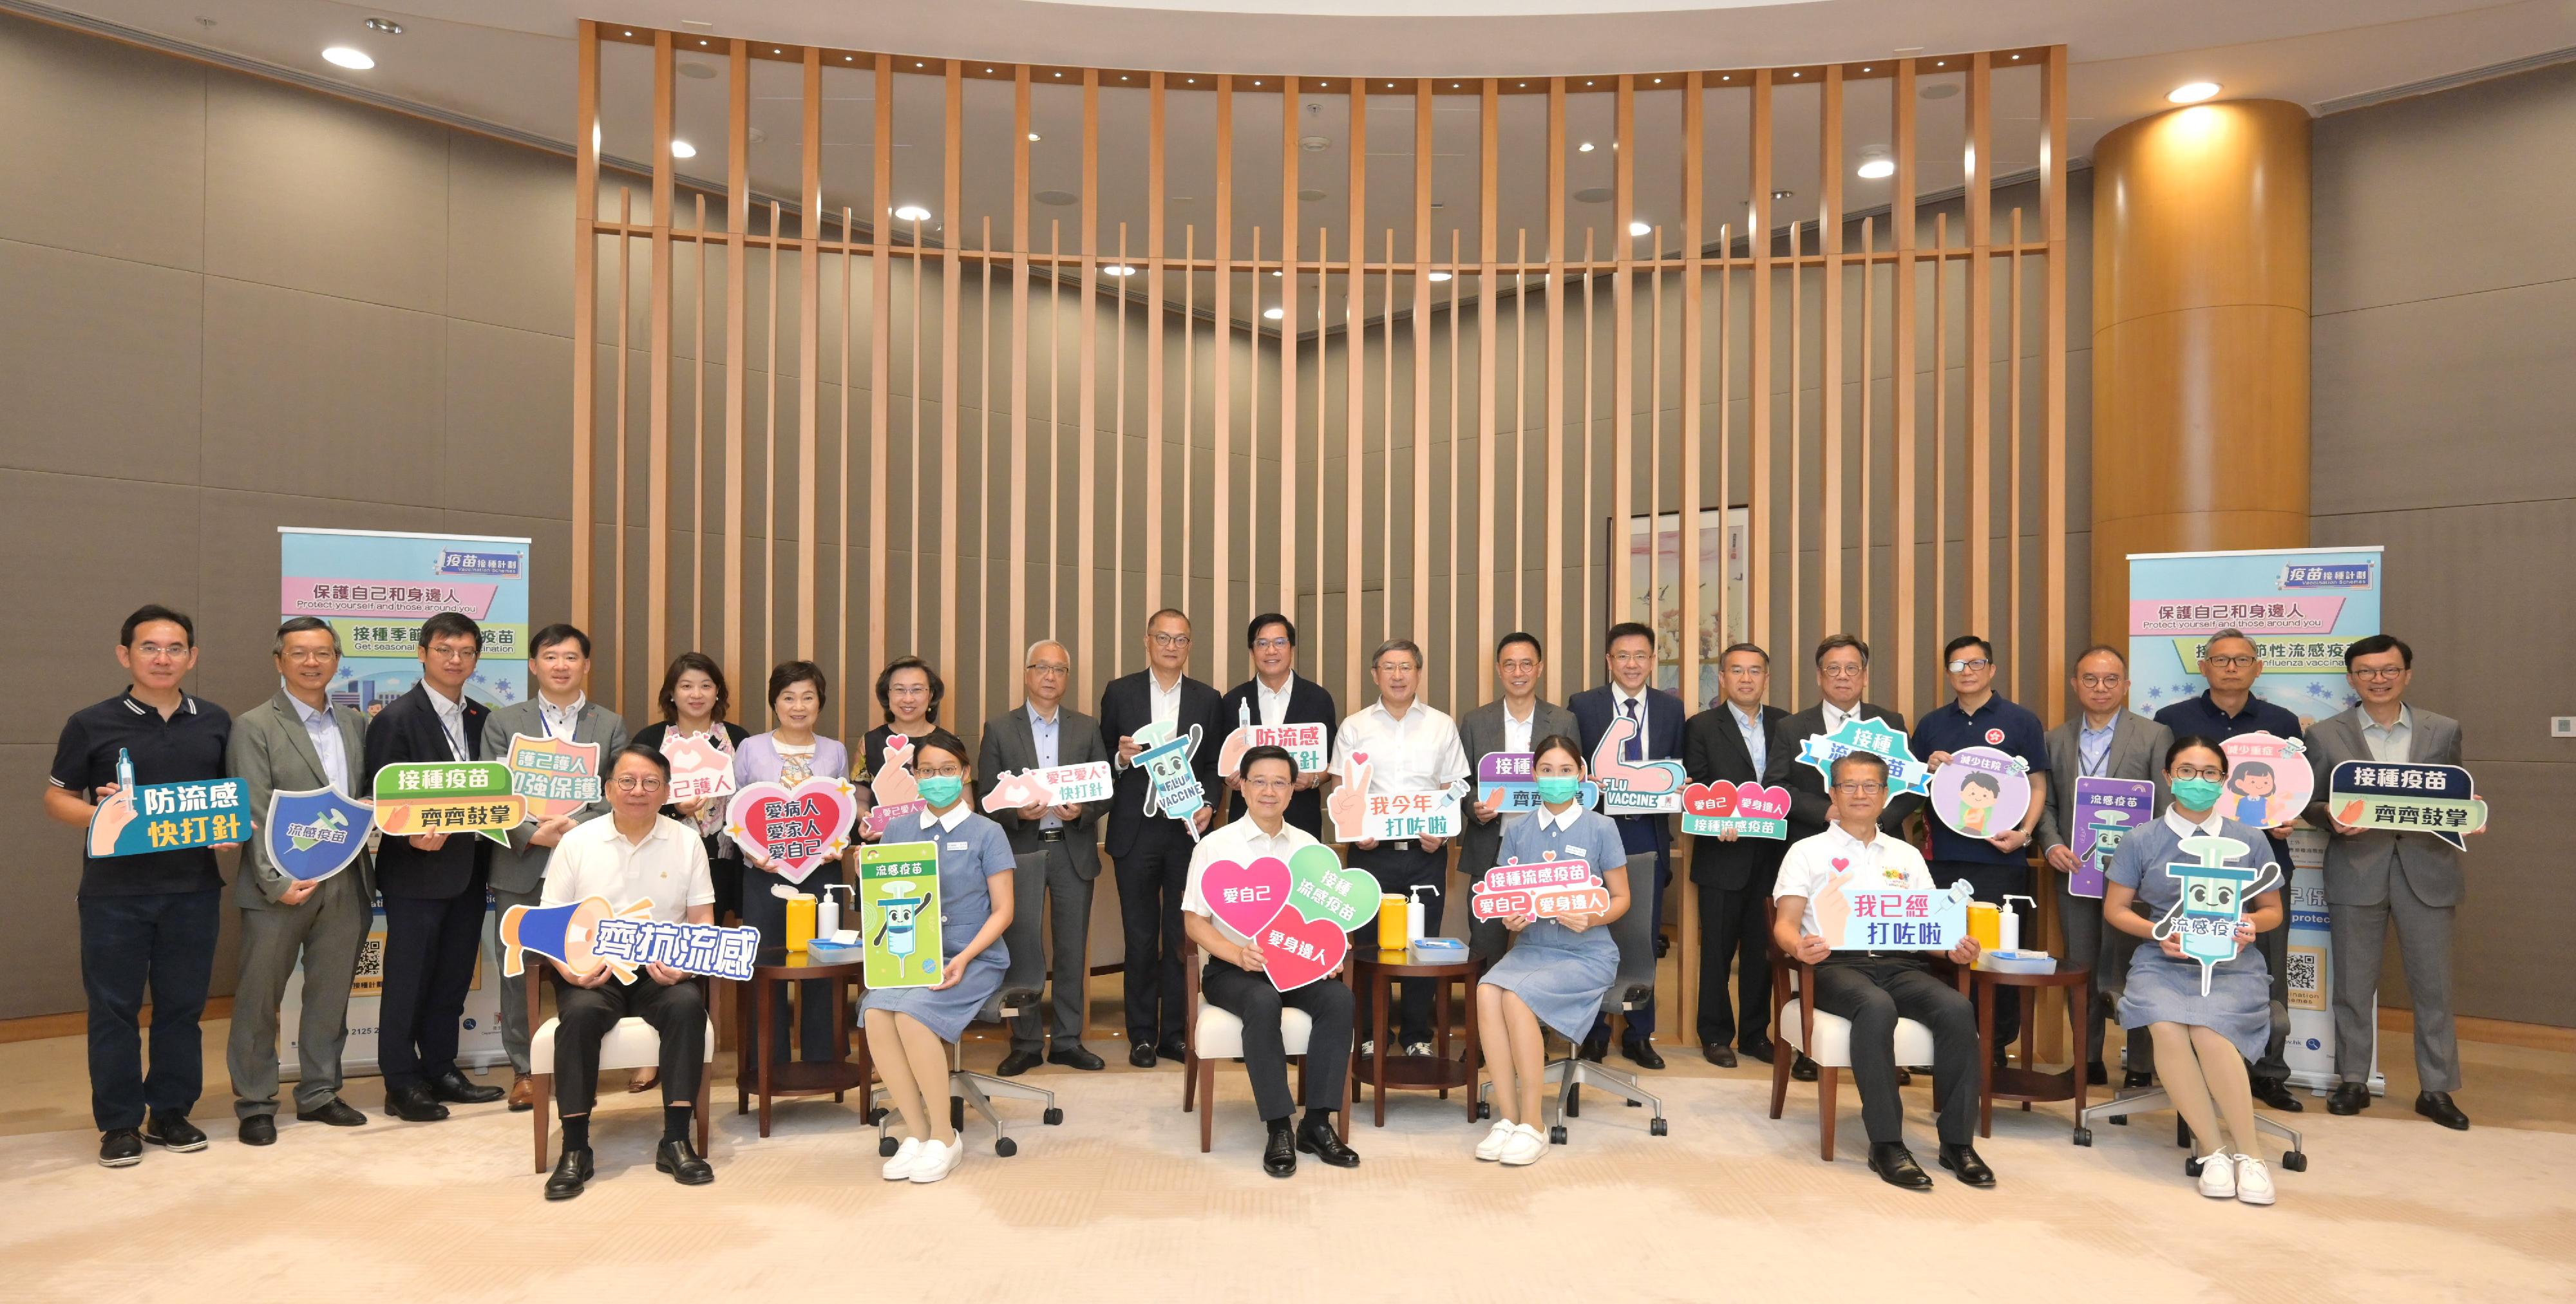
{"x": 2008, "y": 924}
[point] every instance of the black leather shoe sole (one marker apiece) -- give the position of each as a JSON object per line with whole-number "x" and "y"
{"x": 182, "y": 1139}
{"x": 338, "y": 1113}
{"x": 1721, "y": 1056}
{"x": 1077, "y": 1058}
{"x": 1641, "y": 1054}
{"x": 692, "y": 1171}
{"x": 1140, "y": 1057}
{"x": 468, "y": 1095}
{"x": 562, "y": 1185}
{"x": 1909, "y": 1177}
{"x": 1979, "y": 1175}
{"x": 120, "y": 1149}
{"x": 2448, "y": 1116}
{"x": 2348, "y": 1103}
{"x": 259, "y": 1130}
{"x": 1331, "y": 1150}
{"x": 2278, "y": 1096}
{"x": 1015, "y": 1064}
{"x": 1804, "y": 1070}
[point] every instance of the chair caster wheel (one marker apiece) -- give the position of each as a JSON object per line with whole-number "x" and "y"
{"x": 2122, "y": 1121}
{"x": 1006, "y": 1147}
{"x": 1556, "y": 1135}
{"x": 2296, "y": 1161}
{"x": 1655, "y": 1128}
{"x": 876, "y": 1116}
{"x": 2191, "y": 1167}
{"x": 1484, "y": 1110}
{"x": 2084, "y": 1136}
{"x": 1054, "y": 1117}
{"x": 886, "y": 1146}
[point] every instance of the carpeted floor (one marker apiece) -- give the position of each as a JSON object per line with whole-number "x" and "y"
{"x": 1118, "y": 1204}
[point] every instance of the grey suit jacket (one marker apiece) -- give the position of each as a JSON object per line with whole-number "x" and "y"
{"x": 270, "y": 753}
{"x": 521, "y": 867}
{"x": 1481, "y": 731}
{"x": 2358, "y": 865}
{"x": 1010, "y": 744}
{"x": 2138, "y": 747}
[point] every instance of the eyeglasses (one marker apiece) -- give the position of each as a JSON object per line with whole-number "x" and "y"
{"x": 305, "y": 656}
{"x": 1268, "y": 783}
{"x": 2377, "y": 673}
{"x": 2199, "y": 772}
{"x": 1745, "y": 672}
{"x": 160, "y": 651}
{"x": 2233, "y": 661}
{"x": 1963, "y": 667}
{"x": 1050, "y": 667}
{"x": 1170, "y": 640}
{"x": 951, "y": 772}
{"x": 1271, "y": 645}
{"x": 453, "y": 651}
{"x": 2101, "y": 681}
{"x": 641, "y": 783}
{"x": 1631, "y": 658}
{"x": 1842, "y": 672}
{"x": 1860, "y": 788}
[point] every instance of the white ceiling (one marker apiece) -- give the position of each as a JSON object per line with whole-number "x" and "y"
{"x": 510, "y": 63}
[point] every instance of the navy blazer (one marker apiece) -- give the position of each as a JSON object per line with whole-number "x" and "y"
{"x": 1713, "y": 749}
{"x": 1594, "y": 709}
{"x": 408, "y": 730}
{"x": 1308, "y": 703}
{"x": 1126, "y": 706}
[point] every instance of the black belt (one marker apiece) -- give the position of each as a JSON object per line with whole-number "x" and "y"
{"x": 1406, "y": 845}
{"x": 1050, "y": 835}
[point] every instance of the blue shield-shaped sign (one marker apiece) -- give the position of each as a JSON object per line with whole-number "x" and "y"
{"x": 314, "y": 834}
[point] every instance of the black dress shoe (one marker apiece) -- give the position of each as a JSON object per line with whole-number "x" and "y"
{"x": 1895, "y": 1165}
{"x": 457, "y": 1089}
{"x": 120, "y": 1148}
{"x": 1279, "y": 1154}
{"x": 682, "y": 1161}
{"x": 1803, "y": 1069}
{"x": 570, "y": 1172}
{"x": 1663, "y": 945}
{"x": 2136, "y": 1080}
{"x": 1140, "y": 1055}
{"x": 1174, "y": 1049}
{"x": 1718, "y": 1053}
{"x": 1596, "y": 1047}
{"x": 173, "y": 1132}
{"x": 1755, "y": 1050}
{"x": 1963, "y": 1160}
{"x": 1317, "y": 1137}
{"x": 334, "y": 1112}
{"x": 2096, "y": 1074}
{"x": 2437, "y": 1106}
{"x": 2277, "y": 1095}
{"x": 1076, "y": 1057}
{"x": 259, "y": 1130}
{"x": 1640, "y": 1052}
{"x": 414, "y": 1104}
{"x": 1017, "y": 1063}
{"x": 2349, "y": 1098}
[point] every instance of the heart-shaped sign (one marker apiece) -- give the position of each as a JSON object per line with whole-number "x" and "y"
{"x": 1320, "y": 890}
{"x": 795, "y": 829}
{"x": 1842, "y": 863}
{"x": 1753, "y": 801}
{"x": 1716, "y": 800}
{"x": 1746, "y": 810}
{"x": 1245, "y": 897}
{"x": 1295, "y": 952}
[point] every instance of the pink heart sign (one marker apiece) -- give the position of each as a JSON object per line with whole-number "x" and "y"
{"x": 1748, "y": 810}
{"x": 1245, "y": 897}
{"x": 795, "y": 829}
{"x": 1297, "y": 952}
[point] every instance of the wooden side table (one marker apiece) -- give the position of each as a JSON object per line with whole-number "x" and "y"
{"x": 755, "y": 1074}
{"x": 2023, "y": 1083}
{"x": 1374, "y": 973}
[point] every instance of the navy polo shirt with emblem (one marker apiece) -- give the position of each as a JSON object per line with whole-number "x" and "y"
{"x": 188, "y": 745}
{"x": 2008, "y": 727}
{"x": 2205, "y": 718}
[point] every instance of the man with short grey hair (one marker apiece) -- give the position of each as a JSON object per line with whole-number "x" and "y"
{"x": 1410, "y": 747}
{"x": 1042, "y": 734}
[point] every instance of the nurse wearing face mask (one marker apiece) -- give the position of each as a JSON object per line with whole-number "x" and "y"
{"x": 1558, "y": 969}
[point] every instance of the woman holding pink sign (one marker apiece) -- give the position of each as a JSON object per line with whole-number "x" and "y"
{"x": 1562, "y": 960}
{"x": 790, "y": 753}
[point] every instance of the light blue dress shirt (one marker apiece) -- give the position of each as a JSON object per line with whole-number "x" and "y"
{"x": 2093, "y": 747}
{"x": 1045, "y": 730}
{"x": 325, "y": 733}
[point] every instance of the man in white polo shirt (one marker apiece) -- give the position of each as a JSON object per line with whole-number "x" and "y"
{"x": 634, "y": 855}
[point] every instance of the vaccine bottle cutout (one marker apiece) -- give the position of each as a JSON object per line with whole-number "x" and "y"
{"x": 124, "y": 771}
{"x": 2008, "y": 925}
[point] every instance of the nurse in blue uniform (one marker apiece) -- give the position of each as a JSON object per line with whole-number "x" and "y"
{"x": 1557, "y": 970}
{"x": 911, "y": 1028}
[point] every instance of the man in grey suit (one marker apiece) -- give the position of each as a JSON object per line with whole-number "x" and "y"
{"x": 2108, "y": 742}
{"x": 1512, "y": 723}
{"x": 1042, "y": 734}
{"x": 2378, "y": 876}
{"x": 297, "y": 741}
{"x": 560, "y": 661}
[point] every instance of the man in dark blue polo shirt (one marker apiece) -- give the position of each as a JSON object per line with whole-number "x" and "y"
{"x": 1977, "y": 716}
{"x": 2230, "y": 664}
{"x": 149, "y": 920}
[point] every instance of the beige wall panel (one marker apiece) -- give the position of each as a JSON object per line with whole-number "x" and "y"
{"x": 508, "y": 263}
{"x": 60, "y": 641}
{"x": 99, "y": 362}
{"x": 44, "y": 965}
{"x": 236, "y": 579}
{"x": 294, "y": 380}
{"x": 118, "y": 132}
{"x": 322, "y": 195}
{"x": 508, "y": 402}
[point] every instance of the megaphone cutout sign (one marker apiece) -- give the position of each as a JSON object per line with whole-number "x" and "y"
{"x": 565, "y": 934}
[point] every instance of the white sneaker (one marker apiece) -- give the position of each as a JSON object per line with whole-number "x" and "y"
{"x": 1528, "y": 1145}
{"x": 906, "y": 1157}
{"x": 2217, "y": 1176}
{"x": 1491, "y": 1148}
{"x": 1422, "y": 1048}
{"x": 1366, "y": 1048}
{"x": 2253, "y": 1180}
{"x": 938, "y": 1160}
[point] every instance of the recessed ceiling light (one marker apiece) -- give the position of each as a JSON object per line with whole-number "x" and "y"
{"x": 1873, "y": 169}
{"x": 2016, "y": 58}
{"x": 630, "y": 33}
{"x": 1584, "y": 148}
{"x": 1640, "y": 228}
{"x": 1440, "y": 276}
{"x": 349, "y": 58}
{"x": 2192, "y": 92}
{"x": 1784, "y": 194}
{"x": 1120, "y": 270}
{"x": 391, "y": 28}
{"x": 1864, "y": 67}
{"x": 1034, "y": 136}
{"x": 1274, "y": 313}
{"x": 683, "y": 149}
{"x": 1275, "y": 272}
{"x": 912, "y": 213}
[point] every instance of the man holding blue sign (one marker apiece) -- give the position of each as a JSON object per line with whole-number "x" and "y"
{"x": 296, "y": 892}
{"x": 146, "y": 920}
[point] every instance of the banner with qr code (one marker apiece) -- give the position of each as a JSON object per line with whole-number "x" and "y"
{"x": 375, "y": 587}
{"x": 478, "y": 1031}
{"x": 2310, "y": 1048}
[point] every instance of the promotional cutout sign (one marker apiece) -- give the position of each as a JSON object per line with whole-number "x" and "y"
{"x": 415, "y": 797}
{"x": 1856, "y": 915}
{"x": 899, "y": 914}
{"x": 794, "y": 829}
{"x": 1171, "y": 787}
{"x": 701, "y": 770}
{"x": 1303, "y": 741}
{"x": 314, "y": 834}
{"x": 1299, "y": 911}
{"x": 1634, "y": 787}
{"x": 1981, "y": 792}
{"x": 2214, "y": 894}
{"x": 2409, "y": 797}
{"x": 2268, "y": 781}
{"x": 891, "y": 783}
{"x": 1749, "y": 810}
{"x": 1545, "y": 889}
{"x": 1062, "y": 785}
{"x": 1904, "y": 773}
{"x": 554, "y": 776}
{"x": 587, "y": 934}
{"x": 168, "y": 816}
{"x": 2105, "y": 811}
{"x": 1513, "y": 777}
{"x": 1244, "y": 897}
{"x": 1360, "y": 815}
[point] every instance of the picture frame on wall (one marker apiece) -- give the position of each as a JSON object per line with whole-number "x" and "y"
{"x": 1652, "y": 592}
